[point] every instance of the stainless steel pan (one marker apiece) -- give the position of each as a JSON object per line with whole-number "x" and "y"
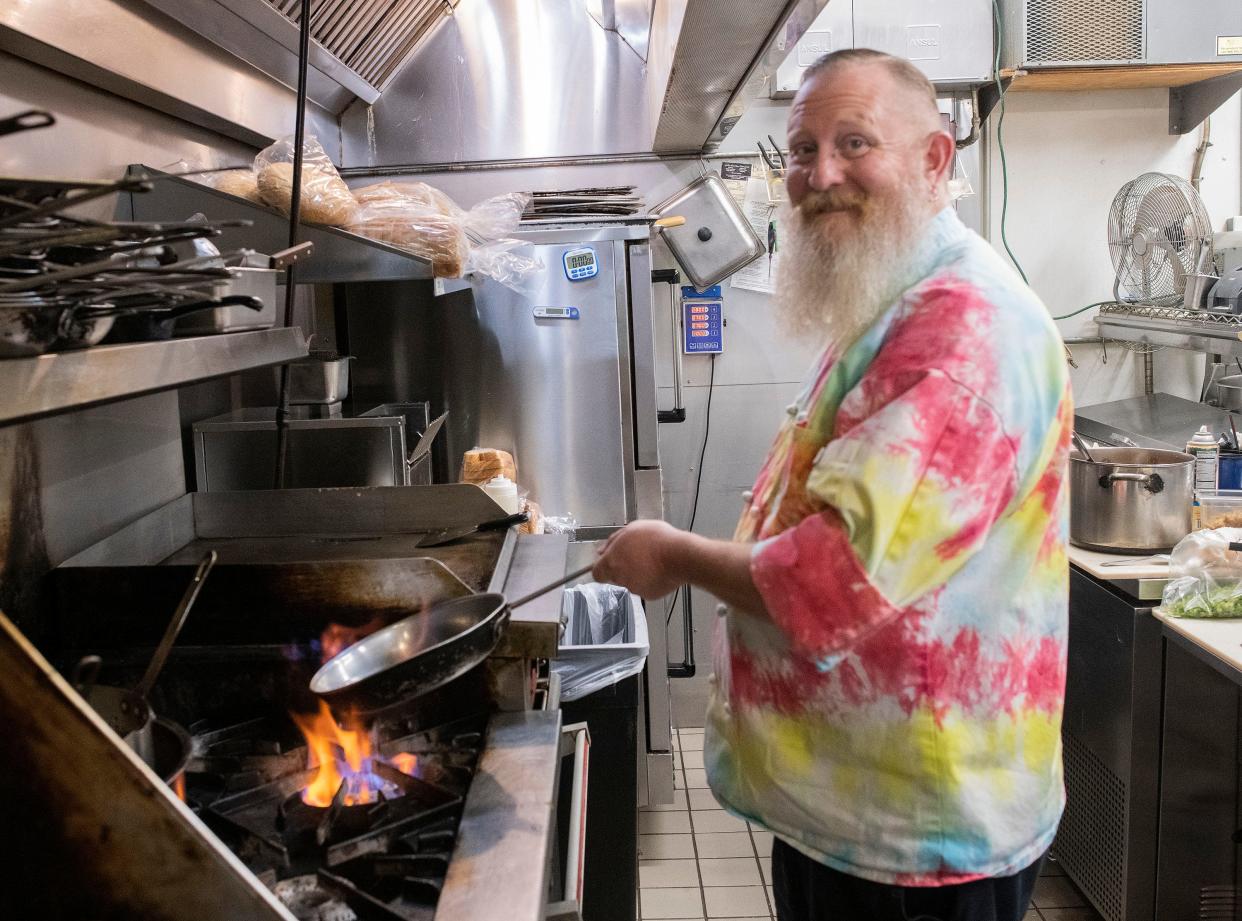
{"x": 126, "y": 710}
{"x": 420, "y": 653}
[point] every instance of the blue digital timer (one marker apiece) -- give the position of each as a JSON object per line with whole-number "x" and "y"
{"x": 580, "y": 264}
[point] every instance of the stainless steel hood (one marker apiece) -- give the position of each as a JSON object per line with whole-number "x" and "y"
{"x": 422, "y": 82}
{"x": 726, "y": 53}
{"x": 511, "y": 80}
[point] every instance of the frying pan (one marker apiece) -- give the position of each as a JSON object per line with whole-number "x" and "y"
{"x": 420, "y": 653}
{"x": 126, "y": 710}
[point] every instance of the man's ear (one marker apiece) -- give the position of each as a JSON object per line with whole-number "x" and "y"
{"x": 938, "y": 159}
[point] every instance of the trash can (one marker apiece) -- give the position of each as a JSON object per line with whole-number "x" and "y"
{"x": 602, "y": 653}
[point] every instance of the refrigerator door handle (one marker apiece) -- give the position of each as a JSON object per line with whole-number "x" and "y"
{"x": 672, "y": 278}
{"x": 642, "y": 322}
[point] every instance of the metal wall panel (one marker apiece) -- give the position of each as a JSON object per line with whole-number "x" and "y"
{"x": 949, "y": 40}
{"x": 1188, "y": 30}
{"x": 832, "y": 30}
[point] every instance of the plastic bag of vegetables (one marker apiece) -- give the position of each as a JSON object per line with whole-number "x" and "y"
{"x": 1206, "y": 569}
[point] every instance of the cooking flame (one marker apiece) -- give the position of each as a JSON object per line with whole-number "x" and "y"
{"x": 344, "y": 757}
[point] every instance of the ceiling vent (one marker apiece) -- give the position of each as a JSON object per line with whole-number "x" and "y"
{"x": 370, "y": 37}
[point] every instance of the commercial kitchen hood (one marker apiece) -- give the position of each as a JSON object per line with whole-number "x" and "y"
{"x": 422, "y": 82}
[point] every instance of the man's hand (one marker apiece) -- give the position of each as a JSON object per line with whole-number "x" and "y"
{"x": 652, "y": 558}
{"x": 641, "y": 557}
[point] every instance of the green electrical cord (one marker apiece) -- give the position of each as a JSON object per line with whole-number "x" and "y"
{"x": 1084, "y": 309}
{"x": 1000, "y": 137}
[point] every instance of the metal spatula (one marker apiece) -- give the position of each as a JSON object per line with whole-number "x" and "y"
{"x": 448, "y": 535}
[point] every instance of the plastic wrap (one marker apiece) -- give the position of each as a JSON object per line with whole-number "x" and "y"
{"x": 1206, "y": 569}
{"x": 422, "y": 220}
{"x": 326, "y": 198}
{"x": 604, "y": 639}
{"x": 503, "y": 261}
{"x": 561, "y": 524}
{"x": 496, "y": 218}
{"x": 244, "y": 183}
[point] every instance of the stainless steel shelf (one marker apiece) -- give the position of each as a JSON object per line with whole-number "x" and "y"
{"x": 339, "y": 256}
{"x": 63, "y": 381}
{"x": 1173, "y": 328}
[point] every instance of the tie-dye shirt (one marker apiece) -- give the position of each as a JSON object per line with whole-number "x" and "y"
{"x": 897, "y": 714}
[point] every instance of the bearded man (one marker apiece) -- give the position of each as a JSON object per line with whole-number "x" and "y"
{"x": 890, "y": 666}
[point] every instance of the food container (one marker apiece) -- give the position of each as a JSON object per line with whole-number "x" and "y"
{"x": 319, "y": 380}
{"x": 1130, "y": 500}
{"x": 1220, "y": 508}
{"x": 260, "y": 283}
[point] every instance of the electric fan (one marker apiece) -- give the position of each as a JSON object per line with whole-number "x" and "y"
{"x": 1160, "y": 238}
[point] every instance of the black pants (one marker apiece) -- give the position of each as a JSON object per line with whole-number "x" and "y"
{"x": 809, "y": 891}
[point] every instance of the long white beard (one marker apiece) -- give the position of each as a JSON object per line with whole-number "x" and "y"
{"x": 833, "y": 285}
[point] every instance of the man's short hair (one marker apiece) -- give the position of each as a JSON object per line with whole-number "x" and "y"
{"x": 900, "y": 69}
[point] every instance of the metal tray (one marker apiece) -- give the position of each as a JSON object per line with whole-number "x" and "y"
{"x": 716, "y": 239}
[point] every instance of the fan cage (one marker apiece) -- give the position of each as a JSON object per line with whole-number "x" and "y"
{"x": 1160, "y": 238}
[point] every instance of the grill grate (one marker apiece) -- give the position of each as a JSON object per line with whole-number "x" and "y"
{"x": 370, "y": 37}
{"x": 1091, "y": 841}
{"x": 1080, "y": 31}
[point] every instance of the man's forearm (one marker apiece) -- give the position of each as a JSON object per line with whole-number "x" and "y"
{"x": 720, "y": 567}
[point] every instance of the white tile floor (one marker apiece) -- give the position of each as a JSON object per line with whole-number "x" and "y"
{"x": 696, "y": 861}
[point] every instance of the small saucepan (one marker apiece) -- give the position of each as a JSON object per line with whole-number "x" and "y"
{"x": 420, "y": 653}
{"x": 126, "y": 710}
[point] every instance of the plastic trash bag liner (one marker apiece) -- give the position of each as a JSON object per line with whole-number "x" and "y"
{"x": 604, "y": 639}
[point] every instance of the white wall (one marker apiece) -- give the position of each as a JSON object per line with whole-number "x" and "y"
{"x": 1068, "y": 154}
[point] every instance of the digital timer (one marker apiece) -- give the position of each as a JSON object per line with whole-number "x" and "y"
{"x": 580, "y": 264}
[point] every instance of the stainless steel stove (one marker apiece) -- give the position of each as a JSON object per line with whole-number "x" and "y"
{"x": 449, "y": 810}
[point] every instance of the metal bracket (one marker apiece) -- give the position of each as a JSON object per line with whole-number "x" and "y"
{"x": 1189, "y": 105}
{"x": 990, "y": 95}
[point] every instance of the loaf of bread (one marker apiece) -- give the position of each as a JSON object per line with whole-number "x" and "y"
{"x": 408, "y": 196}
{"x": 534, "y": 523}
{"x": 480, "y": 465}
{"x": 240, "y": 182}
{"x": 416, "y": 218}
{"x": 436, "y": 238}
{"x": 326, "y": 198}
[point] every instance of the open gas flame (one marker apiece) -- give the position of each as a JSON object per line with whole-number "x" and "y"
{"x": 345, "y": 758}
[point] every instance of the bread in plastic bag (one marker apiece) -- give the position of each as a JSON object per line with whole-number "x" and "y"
{"x": 422, "y": 220}
{"x": 325, "y": 199}
{"x": 244, "y": 183}
{"x": 1206, "y": 570}
{"x": 409, "y": 217}
{"x": 408, "y": 194}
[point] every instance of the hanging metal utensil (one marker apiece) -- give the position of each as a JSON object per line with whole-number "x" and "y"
{"x": 421, "y": 653}
{"x": 26, "y": 121}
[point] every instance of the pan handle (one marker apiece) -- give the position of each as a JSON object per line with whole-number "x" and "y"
{"x": 85, "y": 674}
{"x": 1150, "y": 481}
{"x": 174, "y": 627}
{"x": 540, "y": 592}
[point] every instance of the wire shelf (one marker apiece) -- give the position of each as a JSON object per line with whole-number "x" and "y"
{"x": 1200, "y": 319}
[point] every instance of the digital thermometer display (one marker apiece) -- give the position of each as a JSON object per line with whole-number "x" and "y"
{"x": 580, "y": 264}
{"x": 556, "y": 313}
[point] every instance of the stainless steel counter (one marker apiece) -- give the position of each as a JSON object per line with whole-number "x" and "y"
{"x": 500, "y": 864}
